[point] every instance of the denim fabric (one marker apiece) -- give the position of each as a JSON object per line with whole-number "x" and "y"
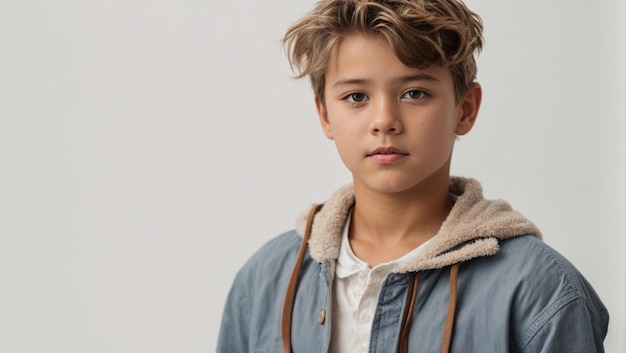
{"x": 527, "y": 298}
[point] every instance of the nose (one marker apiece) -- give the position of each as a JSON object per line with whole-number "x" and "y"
{"x": 385, "y": 118}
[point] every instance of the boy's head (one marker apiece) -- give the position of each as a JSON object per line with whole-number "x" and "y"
{"x": 420, "y": 32}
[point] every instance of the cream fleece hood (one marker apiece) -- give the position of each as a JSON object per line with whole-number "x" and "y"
{"x": 472, "y": 229}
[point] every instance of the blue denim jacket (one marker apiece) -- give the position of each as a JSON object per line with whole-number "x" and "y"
{"x": 514, "y": 292}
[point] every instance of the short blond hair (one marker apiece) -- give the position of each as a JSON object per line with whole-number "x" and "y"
{"x": 421, "y": 33}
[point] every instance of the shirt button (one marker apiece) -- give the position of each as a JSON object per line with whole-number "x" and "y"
{"x": 364, "y": 318}
{"x": 361, "y": 348}
{"x": 362, "y": 275}
{"x": 322, "y": 316}
{"x": 356, "y": 294}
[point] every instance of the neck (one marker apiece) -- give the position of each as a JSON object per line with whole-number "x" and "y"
{"x": 410, "y": 217}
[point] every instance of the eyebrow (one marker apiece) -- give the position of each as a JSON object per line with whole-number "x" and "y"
{"x": 402, "y": 79}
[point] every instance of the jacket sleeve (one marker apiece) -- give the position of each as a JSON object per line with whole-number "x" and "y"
{"x": 572, "y": 327}
{"x": 234, "y": 329}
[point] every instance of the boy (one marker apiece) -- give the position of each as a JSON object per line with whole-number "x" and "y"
{"x": 407, "y": 258}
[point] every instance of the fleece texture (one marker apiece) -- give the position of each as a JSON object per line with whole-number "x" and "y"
{"x": 472, "y": 229}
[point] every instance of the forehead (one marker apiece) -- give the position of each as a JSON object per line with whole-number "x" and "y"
{"x": 359, "y": 57}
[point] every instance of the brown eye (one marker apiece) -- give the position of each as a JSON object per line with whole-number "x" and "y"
{"x": 414, "y": 94}
{"x": 356, "y": 97}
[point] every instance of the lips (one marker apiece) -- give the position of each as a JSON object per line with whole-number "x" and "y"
{"x": 387, "y": 155}
{"x": 386, "y": 151}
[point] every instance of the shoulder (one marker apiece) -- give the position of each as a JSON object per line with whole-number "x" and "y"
{"x": 283, "y": 243}
{"x": 542, "y": 268}
{"x": 546, "y": 291}
{"x": 256, "y": 295}
{"x": 276, "y": 255}
{"x": 539, "y": 264}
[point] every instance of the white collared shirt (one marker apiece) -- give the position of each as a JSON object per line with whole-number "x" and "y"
{"x": 355, "y": 296}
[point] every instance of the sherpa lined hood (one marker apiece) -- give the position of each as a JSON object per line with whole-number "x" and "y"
{"x": 472, "y": 229}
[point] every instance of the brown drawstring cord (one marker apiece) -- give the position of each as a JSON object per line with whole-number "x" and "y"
{"x": 290, "y": 296}
{"x": 409, "y": 307}
{"x": 447, "y": 332}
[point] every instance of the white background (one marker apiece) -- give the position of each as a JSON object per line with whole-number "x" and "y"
{"x": 148, "y": 147}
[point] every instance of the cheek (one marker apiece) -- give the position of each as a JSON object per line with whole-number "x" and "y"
{"x": 343, "y": 142}
{"x": 347, "y": 144}
{"x": 450, "y": 121}
{"x": 434, "y": 134}
{"x": 341, "y": 129}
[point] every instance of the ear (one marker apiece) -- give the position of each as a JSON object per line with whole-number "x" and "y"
{"x": 468, "y": 109}
{"x": 323, "y": 115}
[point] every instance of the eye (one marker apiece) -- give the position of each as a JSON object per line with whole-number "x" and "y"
{"x": 356, "y": 97}
{"x": 414, "y": 94}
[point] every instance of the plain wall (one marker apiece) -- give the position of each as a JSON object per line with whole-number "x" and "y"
{"x": 148, "y": 147}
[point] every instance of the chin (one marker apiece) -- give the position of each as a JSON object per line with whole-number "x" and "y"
{"x": 392, "y": 183}
{"x": 387, "y": 186}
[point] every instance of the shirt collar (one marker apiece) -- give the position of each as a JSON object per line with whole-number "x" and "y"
{"x": 348, "y": 264}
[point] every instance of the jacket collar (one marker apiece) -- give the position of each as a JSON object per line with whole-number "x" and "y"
{"x": 472, "y": 229}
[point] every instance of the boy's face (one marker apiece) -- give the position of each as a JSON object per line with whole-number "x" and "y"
{"x": 394, "y": 126}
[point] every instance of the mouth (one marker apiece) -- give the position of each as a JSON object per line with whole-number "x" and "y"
{"x": 389, "y": 150}
{"x": 387, "y": 155}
